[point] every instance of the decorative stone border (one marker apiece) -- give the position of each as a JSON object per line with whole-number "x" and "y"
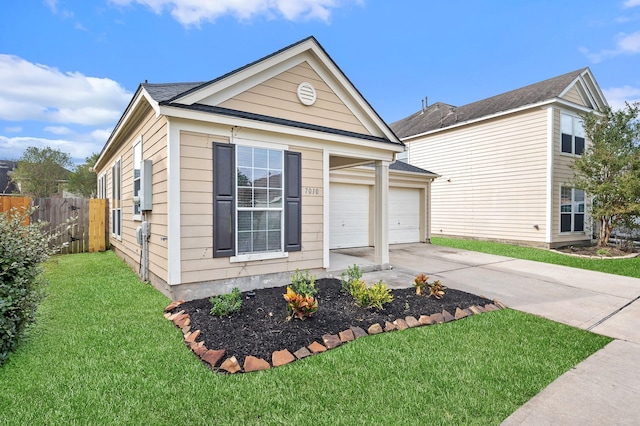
{"x": 329, "y": 341}
{"x": 585, "y": 256}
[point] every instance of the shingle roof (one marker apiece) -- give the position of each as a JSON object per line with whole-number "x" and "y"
{"x": 440, "y": 115}
{"x": 401, "y": 166}
{"x": 161, "y": 92}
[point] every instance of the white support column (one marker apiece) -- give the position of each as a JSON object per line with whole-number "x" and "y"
{"x": 381, "y": 214}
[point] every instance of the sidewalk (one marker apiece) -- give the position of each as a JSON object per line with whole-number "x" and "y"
{"x": 603, "y": 389}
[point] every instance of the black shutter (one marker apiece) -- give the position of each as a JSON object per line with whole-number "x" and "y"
{"x": 292, "y": 201}
{"x": 224, "y": 200}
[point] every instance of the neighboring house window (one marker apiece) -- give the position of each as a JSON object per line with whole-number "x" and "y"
{"x": 403, "y": 156}
{"x": 573, "y": 136}
{"x": 257, "y": 200}
{"x": 102, "y": 186}
{"x": 116, "y": 199}
{"x": 572, "y": 209}
{"x": 137, "y": 159}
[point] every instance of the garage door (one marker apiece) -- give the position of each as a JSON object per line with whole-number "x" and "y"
{"x": 349, "y": 216}
{"x": 404, "y": 215}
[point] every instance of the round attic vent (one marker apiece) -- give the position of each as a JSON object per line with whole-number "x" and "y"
{"x": 306, "y": 93}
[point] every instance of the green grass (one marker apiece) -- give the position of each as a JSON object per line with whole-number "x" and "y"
{"x": 102, "y": 353}
{"x": 626, "y": 267}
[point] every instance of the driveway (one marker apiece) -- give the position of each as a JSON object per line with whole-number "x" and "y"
{"x": 605, "y": 388}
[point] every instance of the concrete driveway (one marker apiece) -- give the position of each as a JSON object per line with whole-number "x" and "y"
{"x": 605, "y": 388}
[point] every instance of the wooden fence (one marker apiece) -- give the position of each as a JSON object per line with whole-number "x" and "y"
{"x": 82, "y": 223}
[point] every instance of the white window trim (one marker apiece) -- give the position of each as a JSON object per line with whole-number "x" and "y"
{"x": 573, "y": 135}
{"x": 248, "y": 257}
{"x": 138, "y": 141}
{"x": 573, "y": 213}
{"x": 116, "y": 236}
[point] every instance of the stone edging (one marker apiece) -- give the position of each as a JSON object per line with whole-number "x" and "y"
{"x": 584, "y": 256}
{"x": 231, "y": 365}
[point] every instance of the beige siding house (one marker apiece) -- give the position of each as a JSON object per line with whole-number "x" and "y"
{"x": 228, "y": 182}
{"x": 505, "y": 162}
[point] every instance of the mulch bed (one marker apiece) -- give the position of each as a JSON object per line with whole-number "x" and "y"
{"x": 261, "y": 327}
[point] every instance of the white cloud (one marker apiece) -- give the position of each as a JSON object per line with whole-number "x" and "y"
{"x": 58, "y": 130}
{"x": 617, "y": 96}
{"x": 12, "y": 148}
{"x": 13, "y": 129}
{"x": 194, "y": 12}
{"x": 628, "y": 44}
{"x": 631, "y": 3}
{"x": 38, "y": 92}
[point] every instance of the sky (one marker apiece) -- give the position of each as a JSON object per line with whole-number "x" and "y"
{"x": 68, "y": 68}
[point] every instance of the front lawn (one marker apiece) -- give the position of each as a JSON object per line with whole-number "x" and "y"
{"x": 626, "y": 267}
{"x": 102, "y": 353}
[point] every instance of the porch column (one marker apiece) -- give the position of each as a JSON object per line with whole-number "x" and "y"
{"x": 381, "y": 214}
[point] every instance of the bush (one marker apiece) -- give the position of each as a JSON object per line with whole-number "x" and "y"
{"x": 300, "y": 306}
{"x": 352, "y": 275}
{"x": 436, "y": 289}
{"x": 370, "y": 297}
{"x": 303, "y": 284}
{"x": 300, "y": 297}
{"x": 23, "y": 247}
{"x": 226, "y": 304}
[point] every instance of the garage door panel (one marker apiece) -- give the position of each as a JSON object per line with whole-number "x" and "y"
{"x": 404, "y": 215}
{"x": 349, "y": 216}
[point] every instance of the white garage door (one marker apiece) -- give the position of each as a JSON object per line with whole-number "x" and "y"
{"x": 349, "y": 215}
{"x": 404, "y": 215}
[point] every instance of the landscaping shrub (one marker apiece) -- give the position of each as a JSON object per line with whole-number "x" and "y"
{"x": 300, "y": 296}
{"x": 370, "y": 297}
{"x": 352, "y": 275}
{"x": 23, "y": 247}
{"x": 226, "y": 304}
{"x": 436, "y": 289}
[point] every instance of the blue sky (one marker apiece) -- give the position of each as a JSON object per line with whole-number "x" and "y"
{"x": 68, "y": 68}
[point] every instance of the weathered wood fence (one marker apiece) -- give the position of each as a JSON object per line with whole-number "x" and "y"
{"x": 82, "y": 223}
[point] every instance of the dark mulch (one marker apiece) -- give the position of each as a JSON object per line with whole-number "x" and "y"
{"x": 261, "y": 327}
{"x": 595, "y": 251}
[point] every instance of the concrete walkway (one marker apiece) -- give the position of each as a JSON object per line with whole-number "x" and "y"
{"x": 603, "y": 389}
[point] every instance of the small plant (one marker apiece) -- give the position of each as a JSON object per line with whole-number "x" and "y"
{"x": 303, "y": 284}
{"x": 421, "y": 283}
{"x": 436, "y": 289}
{"x": 353, "y": 274}
{"x": 603, "y": 252}
{"x": 300, "y": 306}
{"x": 226, "y": 304}
{"x": 370, "y": 297}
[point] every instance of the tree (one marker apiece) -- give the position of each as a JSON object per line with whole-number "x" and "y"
{"x": 40, "y": 171}
{"x": 82, "y": 180}
{"x": 609, "y": 169}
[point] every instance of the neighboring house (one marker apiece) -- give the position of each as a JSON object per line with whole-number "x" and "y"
{"x": 505, "y": 162}
{"x": 241, "y": 174}
{"x": 57, "y": 186}
{"x": 6, "y": 185}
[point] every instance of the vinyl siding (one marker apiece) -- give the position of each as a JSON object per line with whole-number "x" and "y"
{"x": 573, "y": 95}
{"x": 493, "y": 183}
{"x": 196, "y": 217}
{"x": 277, "y": 97}
{"x": 154, "y": 133}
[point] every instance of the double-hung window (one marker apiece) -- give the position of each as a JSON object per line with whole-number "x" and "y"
{"x": 259, "y": 200}
{"x": 102, "y": 186}
{"x": 573, "y": 136}
{"x": 137, "y": 159}
{"x": 572, "y": 209}
{"x": 257, "y": 197}
{"x": 116, "y": 199}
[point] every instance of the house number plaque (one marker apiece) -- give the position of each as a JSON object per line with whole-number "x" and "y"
{"x": 312, "y": 191}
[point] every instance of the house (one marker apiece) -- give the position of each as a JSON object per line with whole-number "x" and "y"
{"x": 241, "y": 180}
{"x": 505, "y": 162}
{"x": 6, "y": 185}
